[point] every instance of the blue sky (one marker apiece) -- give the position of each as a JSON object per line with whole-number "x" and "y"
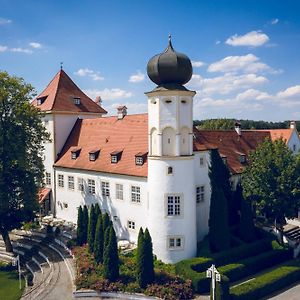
{"x": 245, "y": 53}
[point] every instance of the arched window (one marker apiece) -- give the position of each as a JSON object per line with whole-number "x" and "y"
{"x": 184, "y": 141}
{"x": 168, "y": 139}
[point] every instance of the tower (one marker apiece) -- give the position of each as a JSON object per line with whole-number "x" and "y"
{"x": 172, "y": 207}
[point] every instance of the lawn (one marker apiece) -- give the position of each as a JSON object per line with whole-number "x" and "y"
{"x": 9, "y": 285}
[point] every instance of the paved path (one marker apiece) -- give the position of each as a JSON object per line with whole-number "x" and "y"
{"x": 293, "y": 293}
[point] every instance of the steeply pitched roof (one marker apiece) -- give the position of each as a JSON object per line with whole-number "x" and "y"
{"x": 59, "y": 96}
{"x": 230, "y": 144}
{"x": 277, "y": 134}
{"x": 108, "y": 134}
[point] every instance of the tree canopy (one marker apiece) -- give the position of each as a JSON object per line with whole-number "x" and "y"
{"x": 272, "y": 181}
{"x": 22, "y": 135}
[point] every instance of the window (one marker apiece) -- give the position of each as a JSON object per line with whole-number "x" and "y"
{"x": 200, "y": 194}
{"x": 136, "y": 194}
{"x": 80, "y": 184}
{"x": 173, "y": 205}
{"x": 48, "y": 178}
{"x": 224, "y": 158}
{"x": 91, "y": 186}
{"x": 60, "y": 180}
{"x": 119, "y": 191}
{"x": 71, "y": 185}
{"x": 75, "y": 153}
{"x": 40, "y": 101}
{"x": 93, "y": 155}
{"x": 131, "y": 225}
{"x": 175, "y": 243}
{"x": 76, "y": 100}
{"x": 242, "y": 159}
{"x": 201, "y": 161}
{"x": 170, "y": 170}
{"x": 139, "y": 161}
{"x": 114, "y": 159}
{"x": 294, "y": 148}
{"x": 105, "y": 188}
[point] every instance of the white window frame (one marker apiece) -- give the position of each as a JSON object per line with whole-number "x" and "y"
{"x": 135, "y": 194}
{"x": 77, "y": 100}
{"x": 175, "y": 242}
{"x": 61, "y": 180}
{"x": 105, "y": 191}
{"x": 92, "y": 156}
{"x": 174, "y": 208}
{"x": 139, "y": 160}
{"x": 71, "y": 183}
{"x": 200, "y": 193}
{"x": 131, "y": 225}
{"x": 80, "y": 186}
{"x": 114, "y": 159}
{"x": 48, "y": 178}
{"x": 91, "y": 186}
{"x": 73, "y": 155}
{"x": 119, "y": 191}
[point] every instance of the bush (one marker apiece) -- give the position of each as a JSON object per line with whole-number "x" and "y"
{"x": 31, "y": 225}
{"x": 71, "y": 243}
{"x": 267, "y": 283}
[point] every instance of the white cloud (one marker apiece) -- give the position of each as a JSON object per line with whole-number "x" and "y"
{"x": 138, "y": 77}
{"x": 197, "y": 64}
{"x": 217, "y": 42}
{"x": 274, "y": 21}
{"x": 21, "y": 50}
{"x": 291, "y": 92}
{"x": 246, "y": 63}
{"x": 252, "y": 94}
{"x": 108, "y": 94}
{"x": 253, "y": 39}
{"x": 3, "y": 48}
{"x": 95, "y": 75}
{"x": 35, "y": 45}
{"x": 4, "y": 21}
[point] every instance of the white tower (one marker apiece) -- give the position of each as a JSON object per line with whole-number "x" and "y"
{"x": 172, "y": 205}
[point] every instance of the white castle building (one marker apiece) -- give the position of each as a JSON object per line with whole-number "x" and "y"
{"x": 145, "y": 170}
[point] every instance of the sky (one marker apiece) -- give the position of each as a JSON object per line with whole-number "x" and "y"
{"x": 245, "y": 54}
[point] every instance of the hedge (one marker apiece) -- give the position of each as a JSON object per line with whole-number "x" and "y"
{"x": 255, "y": 264}
{"x": 267, "y": 283}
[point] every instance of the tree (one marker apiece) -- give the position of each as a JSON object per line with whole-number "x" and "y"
{"x": 106, "y": 221}
{"x": 271, "y": 182}
{"x": 106, "y": 238}
{"x": 22, "y": 135}
{"x": 234, "y": 205}
{"x": 111, "y": 257}
{"x": 149, "y": 266}
{"x": 80, "y": 226}
{"x": 141, "y": 272}
{"x": 97, "y": 210}
{"x": 99, "y": 241}
{"x": 92, "y": 228}
{"x": 85, "y": 224}
{"x": 219, "y": 234}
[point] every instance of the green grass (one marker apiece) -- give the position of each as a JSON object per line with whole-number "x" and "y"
{"x": 9, "y": 285}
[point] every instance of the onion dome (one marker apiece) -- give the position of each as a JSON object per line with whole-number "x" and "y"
{"x": 170, "y": 67}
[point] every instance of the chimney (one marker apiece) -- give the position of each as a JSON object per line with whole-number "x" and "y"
{"x": 98, "y": 100}
{"x": 122, "y": 112}
{"x": 293, "y": 125}
{"x": 238, "y": 128}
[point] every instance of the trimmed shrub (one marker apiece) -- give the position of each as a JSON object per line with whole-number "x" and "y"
{"x": 92, "y": 228}
{"x": 141, "y": 275}
{"x": 99, "y": 241}
{"x": 85, "y": 224}
{"x": 149, "y": 266}
{"x": 267, "y": 283}
{"x": 80, "y": 226}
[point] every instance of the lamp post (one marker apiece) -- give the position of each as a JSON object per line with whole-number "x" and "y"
{"x": 213, "y": 273}
{"x": 16, "y": 262}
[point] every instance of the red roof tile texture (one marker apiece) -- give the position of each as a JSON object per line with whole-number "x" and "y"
{"x": 277, "y": 134}
{"x": 43, "y": 193}
{"x": 59, "y": 96}
{"x": 108, "y": 134}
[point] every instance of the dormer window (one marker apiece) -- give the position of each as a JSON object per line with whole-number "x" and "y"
{"x": 115, "y": 156}
{"x": 40, "y": 100}
{"x": 75, "y": 153}
{"x": 242, "y": 158}
{"x": 224, "y": 158}
{"x": 93, "y": 155}
{"x": 76, "y": 100}
{"x": 140, "y": 158}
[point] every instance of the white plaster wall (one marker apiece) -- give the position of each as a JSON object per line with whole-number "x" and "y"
{"x": 162, "y": 226}
{"x": 201, "y": 178}
{"x": 185, "y": 112}
{"x": 294, "y": 140}
{"x": 124, "y": 209}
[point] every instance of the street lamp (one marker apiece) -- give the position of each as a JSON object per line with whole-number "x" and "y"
{"x": 213, "y": 273}
{"x": 16, "y": 262}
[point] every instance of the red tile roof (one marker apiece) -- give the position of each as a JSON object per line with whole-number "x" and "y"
{"x": 59, "y": 96}
{"x": 277, "y": 134}
{"x": 108, "y": 134}
{"x": 42, "y": 194}
{"x": 230, "y": 144}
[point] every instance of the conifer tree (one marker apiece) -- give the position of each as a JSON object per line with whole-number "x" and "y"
{"x": 246, "y": 227}
{"x": 80, "y": 226}
{"x": 111, "y": 257}
{"x": 99, "y": 241}
{"x": 234, "y": 206}
{"x": 85, "y": 224}
{"x": 141, "y": 273}
{"x": 149, "y": 265}
{"x": 106, "y": 221}
{"x": 97, "y": 210}
{"x": 106, "y": 238}
{"x": 92, "y": 229}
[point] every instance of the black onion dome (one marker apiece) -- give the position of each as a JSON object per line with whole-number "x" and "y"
{"x": 170, "y": 67}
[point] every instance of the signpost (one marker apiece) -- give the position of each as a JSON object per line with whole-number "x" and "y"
{"x": 215, "y": 276}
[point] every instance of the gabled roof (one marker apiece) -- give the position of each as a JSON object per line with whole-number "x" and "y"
{"x": 277, "y": 134}
{"x": 111, "y": 135}
{"x": 59, "y": 96}
{"x": 230, "y": 144}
